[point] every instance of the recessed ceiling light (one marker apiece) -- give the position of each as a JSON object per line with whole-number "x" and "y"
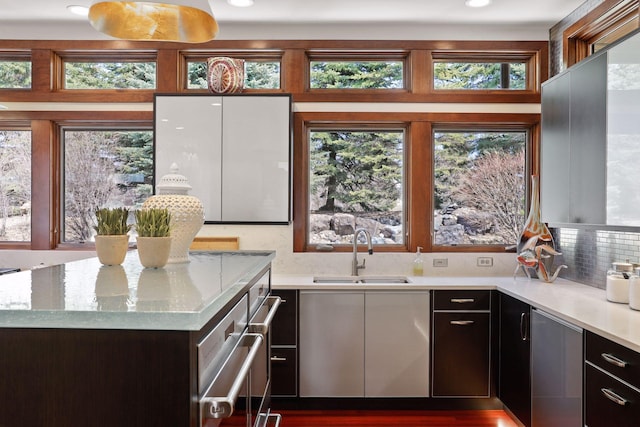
{"x": 240, "y": 3}
{"x": 78, "y": 10}
{"x": 477, "y": 3}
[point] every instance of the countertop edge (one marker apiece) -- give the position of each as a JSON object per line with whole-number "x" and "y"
{"x": 581, "y": 305}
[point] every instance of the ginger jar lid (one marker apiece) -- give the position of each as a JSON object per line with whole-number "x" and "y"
{"x": 173, "y": 182}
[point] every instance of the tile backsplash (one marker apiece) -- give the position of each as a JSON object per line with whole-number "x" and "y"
{"x": 589, "y": 252}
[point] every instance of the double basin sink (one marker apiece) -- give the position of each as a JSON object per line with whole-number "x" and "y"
{"x": 361, "y": 279}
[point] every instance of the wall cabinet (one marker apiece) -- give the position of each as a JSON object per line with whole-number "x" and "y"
{"x": 556, "y": 372}
{"x": 235, "y": 150}
{"x": 612, "y": 383}
{"x": 461, "y": 344}
{"x": 590, "y": 133}
{"x": 350, "y": 341}
{"x": 514, "y": 381}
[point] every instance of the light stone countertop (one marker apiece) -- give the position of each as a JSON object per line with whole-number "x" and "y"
{"x": 581, "y": 305}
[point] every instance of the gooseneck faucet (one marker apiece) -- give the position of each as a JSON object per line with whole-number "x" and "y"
{"x": 354, "y": 266}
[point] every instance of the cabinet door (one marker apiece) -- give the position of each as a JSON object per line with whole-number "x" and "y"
{"x": 397, "y": 344}
{"x": 188, "y": 132}
{"x": 515, "y": 380}
{"x": 609, "y": 402}
{"x": 331, "y": 347}
{"x": 461, "y": 354}
{"x": 555, "y": 151}
{"x": 284, "y": 329}
{"x": 556, "y": 372}
{"x": 256, "y": 153}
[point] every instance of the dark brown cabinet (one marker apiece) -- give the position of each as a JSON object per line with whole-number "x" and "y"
{"x": 612, "y": 384}
{"x": 461, "y": 344}
{"x": 284, "y": 345}
{"x": 514, "y": 375}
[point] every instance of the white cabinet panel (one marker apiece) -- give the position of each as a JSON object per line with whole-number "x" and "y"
{"x": 397, "y": 344}
{"x": 331, "y": 344}
{"x": 235, "y": 151}
{"x": 255, "y": 172}
{"x": 188, "y": 131}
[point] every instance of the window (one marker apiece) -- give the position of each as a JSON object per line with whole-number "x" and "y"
{"x": 356, "y": 75}
{"x": 109, "y": 75}
{"x": 479, "y": 75}
{"x": 257, "y": 74}
{"x": 15, "y": 185}
{"x": 479, "y": 187}
{"x": 356, "y": 181}
{"x": 15, "y": 74}
{"x": 103, "y": 168}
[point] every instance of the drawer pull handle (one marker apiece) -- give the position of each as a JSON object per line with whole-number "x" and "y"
{"x": 278, "y": 359}
{"x": 614, "y": 397}
{"x": 462, "y": 322}
{"x": 614, "y": 360}
{"x": 524, "y": 327}
{"x": 462, "y": 300}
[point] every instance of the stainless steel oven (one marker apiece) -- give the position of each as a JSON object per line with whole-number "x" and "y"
{"x": 236, "y": 384}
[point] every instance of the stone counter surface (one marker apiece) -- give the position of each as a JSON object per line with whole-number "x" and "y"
{"x": 581, "y": 305}
{"x": 87, "y": 295}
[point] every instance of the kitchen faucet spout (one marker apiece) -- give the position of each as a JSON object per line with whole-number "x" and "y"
{"x": 354, "y": 265}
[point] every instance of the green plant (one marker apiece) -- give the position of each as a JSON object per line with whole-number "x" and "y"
{"x": 112, "y": 221}
{"x": 153, "y": 222}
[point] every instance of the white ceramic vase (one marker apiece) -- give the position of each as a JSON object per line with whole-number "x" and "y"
{"x": 187, "y": 212}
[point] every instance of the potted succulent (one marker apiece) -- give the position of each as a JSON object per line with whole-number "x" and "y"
{"x": 154, "y": 236}
{"x": 112, "y": 240}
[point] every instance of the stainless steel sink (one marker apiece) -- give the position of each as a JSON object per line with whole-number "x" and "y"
{"x": 361, "y": 279}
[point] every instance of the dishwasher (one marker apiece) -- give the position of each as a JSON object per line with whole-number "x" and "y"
{"x": 556, "y": 372}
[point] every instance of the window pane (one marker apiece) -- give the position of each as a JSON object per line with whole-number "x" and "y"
{"x": 110, "y": 75}
{"x": 357, "y": 75}
{"x": 15, "y": 185}
{"x": 15, "y": 74}
{"x": 356, "y": 180}
{"x": 479, "y": 194}
{"x": 476, "y": 75}
{"x": 257, "y": 75}
{"x": 103, "y": 168}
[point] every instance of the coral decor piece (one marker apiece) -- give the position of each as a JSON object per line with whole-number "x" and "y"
{"x": 187, "y": 212}
{"x": 536, "y": 249}
{"x": 225, "y": 75}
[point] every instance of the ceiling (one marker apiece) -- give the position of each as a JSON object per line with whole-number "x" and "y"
{"x": 330, "y": 19}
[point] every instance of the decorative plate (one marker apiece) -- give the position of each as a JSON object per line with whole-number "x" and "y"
{"x": 225, "y": 75}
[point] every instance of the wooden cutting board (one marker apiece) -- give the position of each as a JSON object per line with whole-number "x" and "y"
{"x": 215, "y": 244}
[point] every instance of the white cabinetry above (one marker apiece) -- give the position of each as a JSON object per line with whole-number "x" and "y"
{"x": 235, "y": 151}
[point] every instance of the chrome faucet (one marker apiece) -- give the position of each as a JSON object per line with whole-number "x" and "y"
{"x": 354, "y": 266}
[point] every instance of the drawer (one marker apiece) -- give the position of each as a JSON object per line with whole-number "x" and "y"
{"x": 284, "y": 370}
{"x": 462, "y": 300}
{"x": 603, "y": 411}
{"x": 609, "y": 356}
{"x": 284, "y": 329}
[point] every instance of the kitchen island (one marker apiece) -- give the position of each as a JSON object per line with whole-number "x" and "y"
{"x": 91, "y": 345}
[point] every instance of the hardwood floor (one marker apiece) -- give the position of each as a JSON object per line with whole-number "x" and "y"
{"x": 357, "y": 418}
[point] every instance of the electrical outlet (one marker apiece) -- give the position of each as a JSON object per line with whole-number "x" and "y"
{"x": 440, "y": 262}
{"x": 485, "y": 261}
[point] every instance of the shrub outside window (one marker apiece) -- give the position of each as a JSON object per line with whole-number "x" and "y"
{"x": 15, "y": 185}
{"x": 479, "y": 187}
{"x": 257, "y": 75}
{"x": 110, "y": 75}
{"x": 356, "y": 75}
{"x": 15, "y": 74}
{"x": 103, "y": 168}
{"x": 356, "y": 181}
{"x": 479, "y": 75}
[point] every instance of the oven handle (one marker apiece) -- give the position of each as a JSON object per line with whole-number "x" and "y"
{"x": 263, "y": 328}
{"x": 222, "y": 407}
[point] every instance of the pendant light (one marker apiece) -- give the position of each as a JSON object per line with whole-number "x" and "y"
{"x": 189, "y": 21}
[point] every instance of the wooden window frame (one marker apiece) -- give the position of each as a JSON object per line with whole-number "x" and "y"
{"x": 604, "y": 19}
{"x": 418, "y": 168}
{"x": 267, "y": 55}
